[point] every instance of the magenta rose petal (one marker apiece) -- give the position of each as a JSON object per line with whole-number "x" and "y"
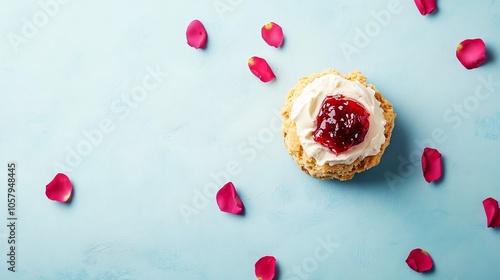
{"x": 471, "y": 53}
{"x": 228, "y": 200}
{"x": 492, "y": 212}
{"x": 59, "y": 189}
{"x": 426, "y": 6}
{"x": 196, "y": 35}
{"x": 431, "y": 164}
{"x": 272, "y": 33}
{"x": 261, "y": 69}
{"x": 265, "y": 268}
{"x": 419, "y": 260}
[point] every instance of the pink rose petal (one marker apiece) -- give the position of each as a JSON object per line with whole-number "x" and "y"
{"x": 228, "y": 200}
{"x": 261, "y": 69}
{"x": 419, "y": 260}
{"x": 426, "y": 6}
{"x": 431, "y": 164}
{"x": 492, "y": 212}
{"x": 272, "y": 33}
{"x": 265, "y": 268}
{"x": 59, "y": 189}
{"x": 196, "y": 35}
{"x": 471, "y": 53}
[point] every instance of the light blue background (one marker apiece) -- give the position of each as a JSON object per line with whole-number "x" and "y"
{"x": 209, "y": 111}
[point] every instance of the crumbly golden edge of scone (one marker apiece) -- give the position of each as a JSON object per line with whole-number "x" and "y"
{"x": 341, "y": 172}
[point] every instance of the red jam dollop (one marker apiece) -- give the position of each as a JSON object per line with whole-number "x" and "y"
{"x": 341, "y": 124}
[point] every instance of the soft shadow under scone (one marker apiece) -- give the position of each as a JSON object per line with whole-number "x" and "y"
{"x": 342, "y": 172}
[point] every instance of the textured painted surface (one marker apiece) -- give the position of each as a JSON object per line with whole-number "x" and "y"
{"x": 207, "y": 120}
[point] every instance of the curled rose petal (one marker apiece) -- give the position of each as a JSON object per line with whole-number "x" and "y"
{"x": 272, "y": 33}
{"x": 196, "y": 35}
{"x": 261, "y": 69}
{"x": 426, "y": 6}
{"x": 419, "y": 260}
{"x": 59, "y": 189}
{"x": 265, "y": 268}
{"x": 431, "y": 164}
{"x": 471, "y": 53}
{"x": 228, "y": 200}
{"x": 492, "y": 212}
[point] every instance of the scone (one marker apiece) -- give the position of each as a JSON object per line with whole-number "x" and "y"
{"x": 336, "y": 125}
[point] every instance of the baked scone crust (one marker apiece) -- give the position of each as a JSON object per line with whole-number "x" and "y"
{"x": 308, "y": 164}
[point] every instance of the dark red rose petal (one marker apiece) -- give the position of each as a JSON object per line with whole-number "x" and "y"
{"x": 492, "y": 212}
{"x": 261, "y": 69}
{"x": 426, "y": 6}
{"x": 265, "y": 268}
{"x": 419, "y": 260}
{"x": 228, "y": 200}
{"x": 471, "y": 53}
{"x": 272, "y": 33}
{"x": 59, "y": 189}
{"x": 196, "y": 35}
{"x": 431, "y": 164}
